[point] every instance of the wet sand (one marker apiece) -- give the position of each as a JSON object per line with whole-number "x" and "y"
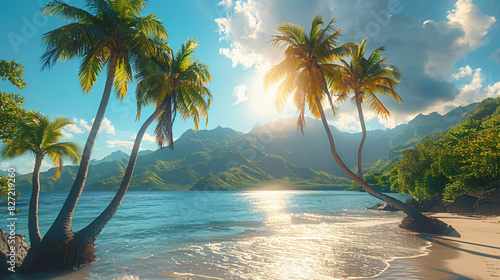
{"x": 472, "y": 252}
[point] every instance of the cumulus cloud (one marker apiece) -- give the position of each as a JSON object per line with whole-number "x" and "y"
{"x": 66, "y": 135}
{"x": 463, "y": 72}
{"x": 474, "y": 91}
{"x": 226, "y": 3}
{"x": 120, "y": 143}
{"x": 240, "y": 94}
{"x": 147, "y": 137}
{"x": 240, "y": 54}
{"x": 80, "y": 126}
{"x": 474, "y": 24}
{"x": 495, "y": 56}
{"x": 107, "y": 127}
{"x": 426, "y": 50}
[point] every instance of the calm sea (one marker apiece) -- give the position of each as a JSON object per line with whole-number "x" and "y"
{"x": 236, "y": 235}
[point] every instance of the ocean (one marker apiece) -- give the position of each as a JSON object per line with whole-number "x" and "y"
{"x": 235, "y": 235}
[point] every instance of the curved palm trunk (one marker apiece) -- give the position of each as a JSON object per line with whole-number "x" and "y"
{"x": 90, "y": 233}
{"x": 390, "y": 200}
{"x": 34, "y": 231}
{"x": 61, "y": 228}
{"x": 363, "y": 139}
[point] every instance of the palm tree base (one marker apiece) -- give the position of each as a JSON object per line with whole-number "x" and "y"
{"x": 67, "y": 255}
{"x": 430, "y": 225}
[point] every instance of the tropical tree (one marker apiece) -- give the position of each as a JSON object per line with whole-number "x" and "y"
{"x": 363, "y": 79}
{"x": 107, "y": 34}
{"x": 40, "y": 137}
{"x": 173, "y": 83}
{"x": 178, "y": 84}
{"x": 11, "y": 113}
{"x": 303, "y": 73}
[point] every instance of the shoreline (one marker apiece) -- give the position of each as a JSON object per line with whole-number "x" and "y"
{"x": 470, "y": 252}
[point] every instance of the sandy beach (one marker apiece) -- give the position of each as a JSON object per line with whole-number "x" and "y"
{"x": 472, "y": 252}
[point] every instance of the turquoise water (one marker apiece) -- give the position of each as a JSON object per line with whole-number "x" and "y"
{"x": 236, "y": 235}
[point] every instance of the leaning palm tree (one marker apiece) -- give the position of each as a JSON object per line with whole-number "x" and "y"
{"x": 174, "y": 83}
{"x": 107, "y": 34}
{"x": 303, "y": 73}
{"x": 178, "y": 84}
{"x": 40, "y": 137}
{"x": 362, "y": 80}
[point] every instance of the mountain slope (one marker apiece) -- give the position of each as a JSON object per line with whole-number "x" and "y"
{"x": 274, "y": 153}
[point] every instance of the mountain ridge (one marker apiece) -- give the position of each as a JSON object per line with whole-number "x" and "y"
{"x": 273, "y": 153}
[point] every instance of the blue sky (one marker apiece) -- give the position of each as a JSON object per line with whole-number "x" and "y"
{"x": 449, "y": 52}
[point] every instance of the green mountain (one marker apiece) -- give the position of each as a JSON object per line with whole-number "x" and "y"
{"x": 274, "y": 154}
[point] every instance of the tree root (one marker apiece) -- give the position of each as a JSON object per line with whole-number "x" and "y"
{"x": 431, "y": 225}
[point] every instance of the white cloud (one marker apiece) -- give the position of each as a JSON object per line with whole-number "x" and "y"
{"x": 474, "y": 91}
{"x": 463, "y": 72}
{"x": 240, "y": 54}
{"x": 226, "y": 3}
{"x": 82, "y": 124}
{"x": 120, "y": 143}
{"x": 107, "y": 127}
{"x": 475, "y": 84}
{"x": 66, "y": 135}
{"x": 240, "y": 93}
{"x": 5, "y": 165}
{"x": 77, "y": 127}
{"x": 428, "y": 73}
{"x": 495, "y": 56}
{"x": 474, "y": 23}
{"x": 147, "y": 137}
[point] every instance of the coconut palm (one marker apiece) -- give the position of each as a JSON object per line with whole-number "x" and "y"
{"x": 176, "y": 85}
{"x": 40, "y": 137}
{"x": 303, "y": 73}
{"x": 363, "y": 79}
{"x": 107, "y": 34}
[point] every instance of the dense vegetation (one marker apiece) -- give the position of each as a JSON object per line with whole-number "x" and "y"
{"x": 464, "y": 158}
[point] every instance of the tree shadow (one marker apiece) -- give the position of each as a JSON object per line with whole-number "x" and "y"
{"x": 455, "y": 275}
{"x": 436, "y": 239}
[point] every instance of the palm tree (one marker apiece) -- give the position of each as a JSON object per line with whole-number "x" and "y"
{"x": 304, "y": 72}
{"x": 176, "y": 85}
{"x": 364, "y": 79}
{"x": 40, "y": 136}
{"x": 107, "y": 34}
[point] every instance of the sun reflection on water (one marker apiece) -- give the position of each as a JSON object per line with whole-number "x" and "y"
{"x": 295, "y": 251}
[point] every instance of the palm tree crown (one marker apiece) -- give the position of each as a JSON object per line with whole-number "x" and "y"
{"x": 307, "y": 63}
{"x": 40, "y": 136}
{"x": 365, "y": 78}
{"x": 111, "y": 31}
{"x": 179, "y": 79}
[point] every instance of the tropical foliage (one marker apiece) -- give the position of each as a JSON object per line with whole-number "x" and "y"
{"x": 308, "y": 60}
{"x": 11, "y": 113}
{"x": 181, "y": 81}
{"x": 462, "y": 159}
